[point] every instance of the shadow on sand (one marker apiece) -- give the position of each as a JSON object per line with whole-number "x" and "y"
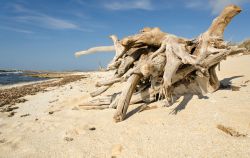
{"x": 225, "y": 84}
{"x": 184, "y": 102}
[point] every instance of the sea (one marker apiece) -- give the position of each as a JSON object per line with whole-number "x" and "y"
{"x": 8, "y": 77}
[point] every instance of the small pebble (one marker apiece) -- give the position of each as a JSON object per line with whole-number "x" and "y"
{"x": 247, "y": 81}
{"x": 51, "y": 112}
{"x": 75, "y": 108}
{"x": 68, "y": 139}
{"x": 24, "y": 115}
{"x": 2, "y": 140}
{"x": 11, "y": 114}
{"x": 92, "y": 128}
{"x": 52, "y": 101}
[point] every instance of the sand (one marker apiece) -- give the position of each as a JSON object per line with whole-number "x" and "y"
{"x": 50, "y": 124}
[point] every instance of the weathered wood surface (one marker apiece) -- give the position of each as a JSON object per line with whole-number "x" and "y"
{"x": 124, "y": 98}
{"x": 156, "y": 65}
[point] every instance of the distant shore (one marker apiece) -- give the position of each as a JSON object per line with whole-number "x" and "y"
{"x": 12, "y": 94}
{"x": 12, "y": 77}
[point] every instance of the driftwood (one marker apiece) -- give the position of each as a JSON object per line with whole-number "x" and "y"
{"x": 156, "y": 65}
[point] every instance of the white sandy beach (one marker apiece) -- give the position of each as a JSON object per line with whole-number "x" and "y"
{"x": 186, "y": 129}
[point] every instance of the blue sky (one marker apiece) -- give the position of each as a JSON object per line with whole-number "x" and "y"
{"x": 44, "y": 34}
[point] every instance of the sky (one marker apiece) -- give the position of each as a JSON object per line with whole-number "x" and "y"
{"x": 44, "y": 34}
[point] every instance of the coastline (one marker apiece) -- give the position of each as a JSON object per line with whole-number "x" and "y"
{"x": 23, "y": 84}
{"x": 13, "y": 94}
{"x": 45, "y": 75}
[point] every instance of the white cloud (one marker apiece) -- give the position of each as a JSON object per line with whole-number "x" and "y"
{"x": 194, "y": 4}
{"x": 19, "y": 8}
{"x": 43, "y": 20}
{"x": 16, "y": 30}
{"x": 47, "y": 21}
{"x": 215, "y": 6}
{"x": 58, "y": 23}
{"x": 218, "y": 5}
{"x": 129, "y": 4}
{"x": 82, "y": 2}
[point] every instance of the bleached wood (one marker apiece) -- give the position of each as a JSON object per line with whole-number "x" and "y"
{"x": 148, "y": 36}
{"x": 219, "y": 24}
{"x": 161, "y": 66}
{"x": 119, "y": 49}
{"x": 95, "y": 50}
{"x": 125, "y": 65}
{"x": 125, "y": 97}
{"x": 100, "y": 90}
{"x": 96, "y": 102}
{"x": 108, "y": 82}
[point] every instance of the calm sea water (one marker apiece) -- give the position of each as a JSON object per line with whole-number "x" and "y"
{"x": 13, "y": 77}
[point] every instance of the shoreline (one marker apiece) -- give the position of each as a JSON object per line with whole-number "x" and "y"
{"x": 13, "y": 94}
{"x": 6, "y": 86}
{"x": 44, "y": 75}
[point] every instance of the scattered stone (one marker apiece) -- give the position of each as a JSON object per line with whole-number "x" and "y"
{"x": 11, "y": 114}
{"x": 3, "y": 140}
{"x": 230, "y": 131}
{"x": 8, "y": 108}
{"x": 24, "y": 115}
{"x": 75, "y": 108}
{"x": 71, "y": 87}
{"x": 52, "y": 101}
{"x": 14, "y": 95}
{"x": 68, "y": 139}
{"x": 92, "y": 128}
{"x": 51, "y": 112}
{"x": 36, "y": 119}
{"x": 247, "y": 81}
{"x": 21, "y": 100}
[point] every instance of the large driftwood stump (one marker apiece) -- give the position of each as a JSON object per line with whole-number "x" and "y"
{"x": 160, "y": 66}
